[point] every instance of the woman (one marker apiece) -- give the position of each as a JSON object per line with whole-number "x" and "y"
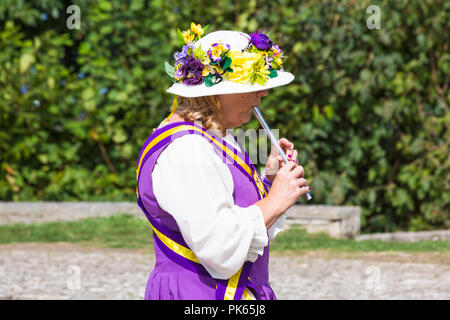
{"x": 212, "y": 215}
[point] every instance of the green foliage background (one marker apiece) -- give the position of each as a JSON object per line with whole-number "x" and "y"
{"x": 368, "y": 109}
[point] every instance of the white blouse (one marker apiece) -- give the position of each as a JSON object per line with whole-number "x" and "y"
{"x": 193, "y": 184}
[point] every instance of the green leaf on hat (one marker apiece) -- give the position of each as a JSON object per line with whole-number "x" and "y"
{"x": 170, "y": 70}
{"x": 273, "y": 73}
{"x": 212, "y": 79}
{"x": 180, "y": 38}
{"x": 226, "y": 63}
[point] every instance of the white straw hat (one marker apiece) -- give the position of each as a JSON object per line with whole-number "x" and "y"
{"x": 235, "y": 42}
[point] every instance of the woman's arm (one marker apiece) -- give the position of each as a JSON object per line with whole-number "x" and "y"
{"x": 286, "y": 188}
{"x": 289, "y": 184}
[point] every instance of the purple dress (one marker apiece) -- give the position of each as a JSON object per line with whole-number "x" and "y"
{"x": 175, "y": 277}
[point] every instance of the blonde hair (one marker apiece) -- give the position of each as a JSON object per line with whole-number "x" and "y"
{"x": 206, "y": 110}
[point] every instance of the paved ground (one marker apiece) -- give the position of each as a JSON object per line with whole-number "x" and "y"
{"x": 67, "y": 271}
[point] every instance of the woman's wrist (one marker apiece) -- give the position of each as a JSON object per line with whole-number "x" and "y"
{"x": 270, "y": 210}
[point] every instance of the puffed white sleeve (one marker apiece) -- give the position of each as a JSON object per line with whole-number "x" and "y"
{"x": 192, "y": 184}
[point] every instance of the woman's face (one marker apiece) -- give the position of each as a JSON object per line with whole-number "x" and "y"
{"x": 237, "y": 108}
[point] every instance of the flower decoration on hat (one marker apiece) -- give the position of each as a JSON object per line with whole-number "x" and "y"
{"x": 257, "y": 63}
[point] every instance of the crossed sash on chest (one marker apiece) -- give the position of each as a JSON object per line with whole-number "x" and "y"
{"x": 173, "y": 244}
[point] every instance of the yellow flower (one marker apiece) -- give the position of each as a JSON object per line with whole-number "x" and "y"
{"x": 276, "y": 51}
{"x": 216, "y": 51}
{"x": 206, "y": 71}
{"x": 188, "y": 37}
{"x": 261, "y": 72}
{"x": 217, "y": 69}
{"x": 278, "y": 61}
{"x": 262, "y": 68}
{"x": 242, "y": 64}
{"x": 197, "y": 29}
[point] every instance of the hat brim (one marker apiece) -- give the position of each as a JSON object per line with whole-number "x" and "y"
{"x": 229, "y": 87}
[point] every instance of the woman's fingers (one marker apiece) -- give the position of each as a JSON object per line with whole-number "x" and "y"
{"x": 298, "y": 171}
{"x": 294, "y": 168}
{"x": 294, "y": 156}
{"x": 288, "y": 166}
{"x": 302, "y": 182}
{"x": 285, "y": 143}
{"x": 287, "y": 146}
{"x": 304, "y": 190}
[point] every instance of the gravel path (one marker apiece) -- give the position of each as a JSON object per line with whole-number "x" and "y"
{"x": 67, "y": 271}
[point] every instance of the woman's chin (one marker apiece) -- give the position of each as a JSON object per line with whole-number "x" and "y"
{"x": 246, "y": 118}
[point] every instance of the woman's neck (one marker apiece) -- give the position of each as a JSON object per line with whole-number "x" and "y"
{"x": 175, "y": 118}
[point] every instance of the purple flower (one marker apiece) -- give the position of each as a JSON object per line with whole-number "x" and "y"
{"x": 178, "y": 74}
{"x": 269, "y": 62}
{"x": 276, "y": 50}
{"x": 261, "y": 41}
{"x": 192, "y": 71}
{"x": 183, "y": 54}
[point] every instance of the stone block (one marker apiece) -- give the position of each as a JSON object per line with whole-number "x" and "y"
{"x": 336, "y": 221}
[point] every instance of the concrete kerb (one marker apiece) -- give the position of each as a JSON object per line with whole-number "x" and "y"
{"x": 434, "y": 235}
{"x": 337, "y": 221}
{"x": 38, "y": 212}
{"x": 340, "y": 222}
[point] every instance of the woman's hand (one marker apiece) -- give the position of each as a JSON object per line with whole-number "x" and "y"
{"x": 287, "y": 187}
{"x": 275, "y": 160}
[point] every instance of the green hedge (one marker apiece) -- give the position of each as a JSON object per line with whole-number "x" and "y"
{"x": 368, "y": 109}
